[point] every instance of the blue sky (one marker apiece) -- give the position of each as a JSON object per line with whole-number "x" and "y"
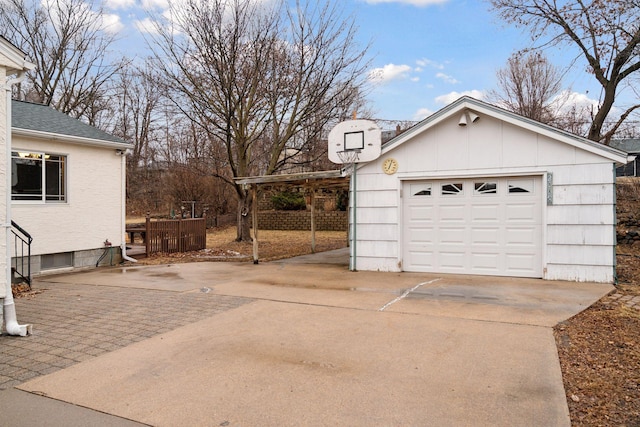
{"x": 426, "y": 53}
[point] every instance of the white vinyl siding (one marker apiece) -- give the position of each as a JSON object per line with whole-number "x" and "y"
{"x": 581, "y": 224}
{"x": 577, "y": 224}
{"x": 377, "y": 223}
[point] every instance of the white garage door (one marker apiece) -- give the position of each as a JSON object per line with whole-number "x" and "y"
{"x": 490, "y": 226}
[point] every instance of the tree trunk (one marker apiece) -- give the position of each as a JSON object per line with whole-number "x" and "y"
{"x": 595, "y": 131}
{"x": 244, "y": 217}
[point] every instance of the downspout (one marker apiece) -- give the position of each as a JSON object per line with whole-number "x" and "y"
{"x": 10, "y": 318}
{"x": 123, "y": 214}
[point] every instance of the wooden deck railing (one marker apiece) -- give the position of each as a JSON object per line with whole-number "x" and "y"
{"x": 175, "y": 235}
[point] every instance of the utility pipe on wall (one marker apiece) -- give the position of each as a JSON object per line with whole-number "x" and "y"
{"x": 123, "y": 195}
{"x": 10, "y": 318}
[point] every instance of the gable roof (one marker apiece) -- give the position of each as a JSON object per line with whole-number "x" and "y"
{"x": 17, "y": 58}
{"x": 627, "y": 145}
{"x": 483, "y": 108}
{"x": 40, "y": 121}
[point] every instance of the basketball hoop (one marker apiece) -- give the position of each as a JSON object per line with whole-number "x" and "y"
{"x": 348, "y": 158}
{"x": 354, "y": 141}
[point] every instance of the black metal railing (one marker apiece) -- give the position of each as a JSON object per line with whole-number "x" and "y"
{"x": 21, "y": 263}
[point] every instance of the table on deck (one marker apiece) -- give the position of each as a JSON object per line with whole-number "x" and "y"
{"x": 132, "y": 230}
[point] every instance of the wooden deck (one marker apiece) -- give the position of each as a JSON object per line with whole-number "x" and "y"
{"x": 168, "y": 236}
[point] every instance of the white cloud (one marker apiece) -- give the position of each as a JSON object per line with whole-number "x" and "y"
{"x": 422, "y": 114}
{"x": 146, "y": 26}
{"x": 419, "y": 3}
{"x": 111, "y": 23}
{"x": 120, "y": 4}
{"x": 389, "y": 72}
{"x": 566, "y": 101}
{"x": 155, "y": 4}
{"x": 452, "y": 96}
{"x": 447, "y": 78}
{"x": 424, "y": 62}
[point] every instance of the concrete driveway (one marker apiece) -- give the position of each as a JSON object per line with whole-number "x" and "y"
{"x": 319, "y": 345}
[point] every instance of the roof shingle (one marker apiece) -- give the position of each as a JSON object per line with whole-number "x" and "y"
{"x": 41, "y": 118}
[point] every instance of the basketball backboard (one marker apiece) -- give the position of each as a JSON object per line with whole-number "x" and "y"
{"x": 361, "y": 136}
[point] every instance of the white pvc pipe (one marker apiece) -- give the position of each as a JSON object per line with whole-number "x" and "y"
{"x": 123, "y": 195}
{"x": 10, "y": 319}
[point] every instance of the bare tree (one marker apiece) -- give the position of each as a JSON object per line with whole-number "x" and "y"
{"x": 136, "y": 110}
{"x": 316, "y": 72}
{"x": 605, "y": 33}
{"x": 528, "y": 85}
{"x": 257, "y": 79}
{"x": 70, "y": 47}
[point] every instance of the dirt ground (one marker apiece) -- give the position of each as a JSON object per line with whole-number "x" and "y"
{"x": 273, "y": 245}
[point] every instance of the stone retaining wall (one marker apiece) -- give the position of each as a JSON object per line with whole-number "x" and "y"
{"x": 301, "y": 220}
{"x": 628, "y": 211}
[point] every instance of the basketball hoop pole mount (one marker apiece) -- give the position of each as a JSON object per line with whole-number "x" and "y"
{"x": 349, "y": 159}
{"x": 349, "y": 143}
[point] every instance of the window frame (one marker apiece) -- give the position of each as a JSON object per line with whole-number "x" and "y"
{"x": 457, "y": 185}
{"x": 59, "y": 161}
{"x": 421, "y": 190}
{"x": 520, "y": 186}
{"x": 485, "y": 188}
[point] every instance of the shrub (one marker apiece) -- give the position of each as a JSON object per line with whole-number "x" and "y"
{"x": 342, "y": 200}
{"x": 288, "y": 201}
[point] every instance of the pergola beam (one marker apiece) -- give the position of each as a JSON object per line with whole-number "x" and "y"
{"x": 310, "y": 181}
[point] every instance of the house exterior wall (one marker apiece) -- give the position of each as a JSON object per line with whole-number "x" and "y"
{"x": 579, "y": 221}
{"x": 92, "y": 212}
{"x": 581, "y": 224}
{"x": 3, "y": 179}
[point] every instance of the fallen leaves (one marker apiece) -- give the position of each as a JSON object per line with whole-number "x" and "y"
{"x": 600, "y": 361}
{"x": 272, "y": 245}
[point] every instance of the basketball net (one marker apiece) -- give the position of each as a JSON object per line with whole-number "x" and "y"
{"x": 348, "y": 158}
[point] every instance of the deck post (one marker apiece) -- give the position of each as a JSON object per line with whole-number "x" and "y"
{"x": 254, "y": 217}
{"x": 180, "y": 235}
{"x": 147, "y": 230}
{"x": 313, "y": 219}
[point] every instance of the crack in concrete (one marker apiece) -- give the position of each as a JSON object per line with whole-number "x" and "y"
{"x": 405, "y": 293}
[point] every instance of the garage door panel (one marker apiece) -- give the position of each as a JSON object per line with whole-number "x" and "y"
{"x": 521, "y": 263}
{"x": 489, "y": 263}
{"x": 421, "y": 260}
{"x": 485, "y": 213}
{"x": 486, "y": 236}
{"x": 421, "y": 213}
{"x": 452, "y": 235}
{"x": 522, "y": 212}
{"x": 423, "y": 234}
{"x": 522, "y": 236}
{"x": 452, "y": 260}
{"x": 452, "y": 213}
{"x": 492, "y": 229}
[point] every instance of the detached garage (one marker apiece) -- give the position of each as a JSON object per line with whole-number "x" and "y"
{"x": 474, "y": 189}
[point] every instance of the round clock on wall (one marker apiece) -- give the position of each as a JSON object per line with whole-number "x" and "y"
{"x": 390, "y": 166}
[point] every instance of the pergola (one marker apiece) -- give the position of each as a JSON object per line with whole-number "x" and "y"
{"x": 309, "y": 181}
